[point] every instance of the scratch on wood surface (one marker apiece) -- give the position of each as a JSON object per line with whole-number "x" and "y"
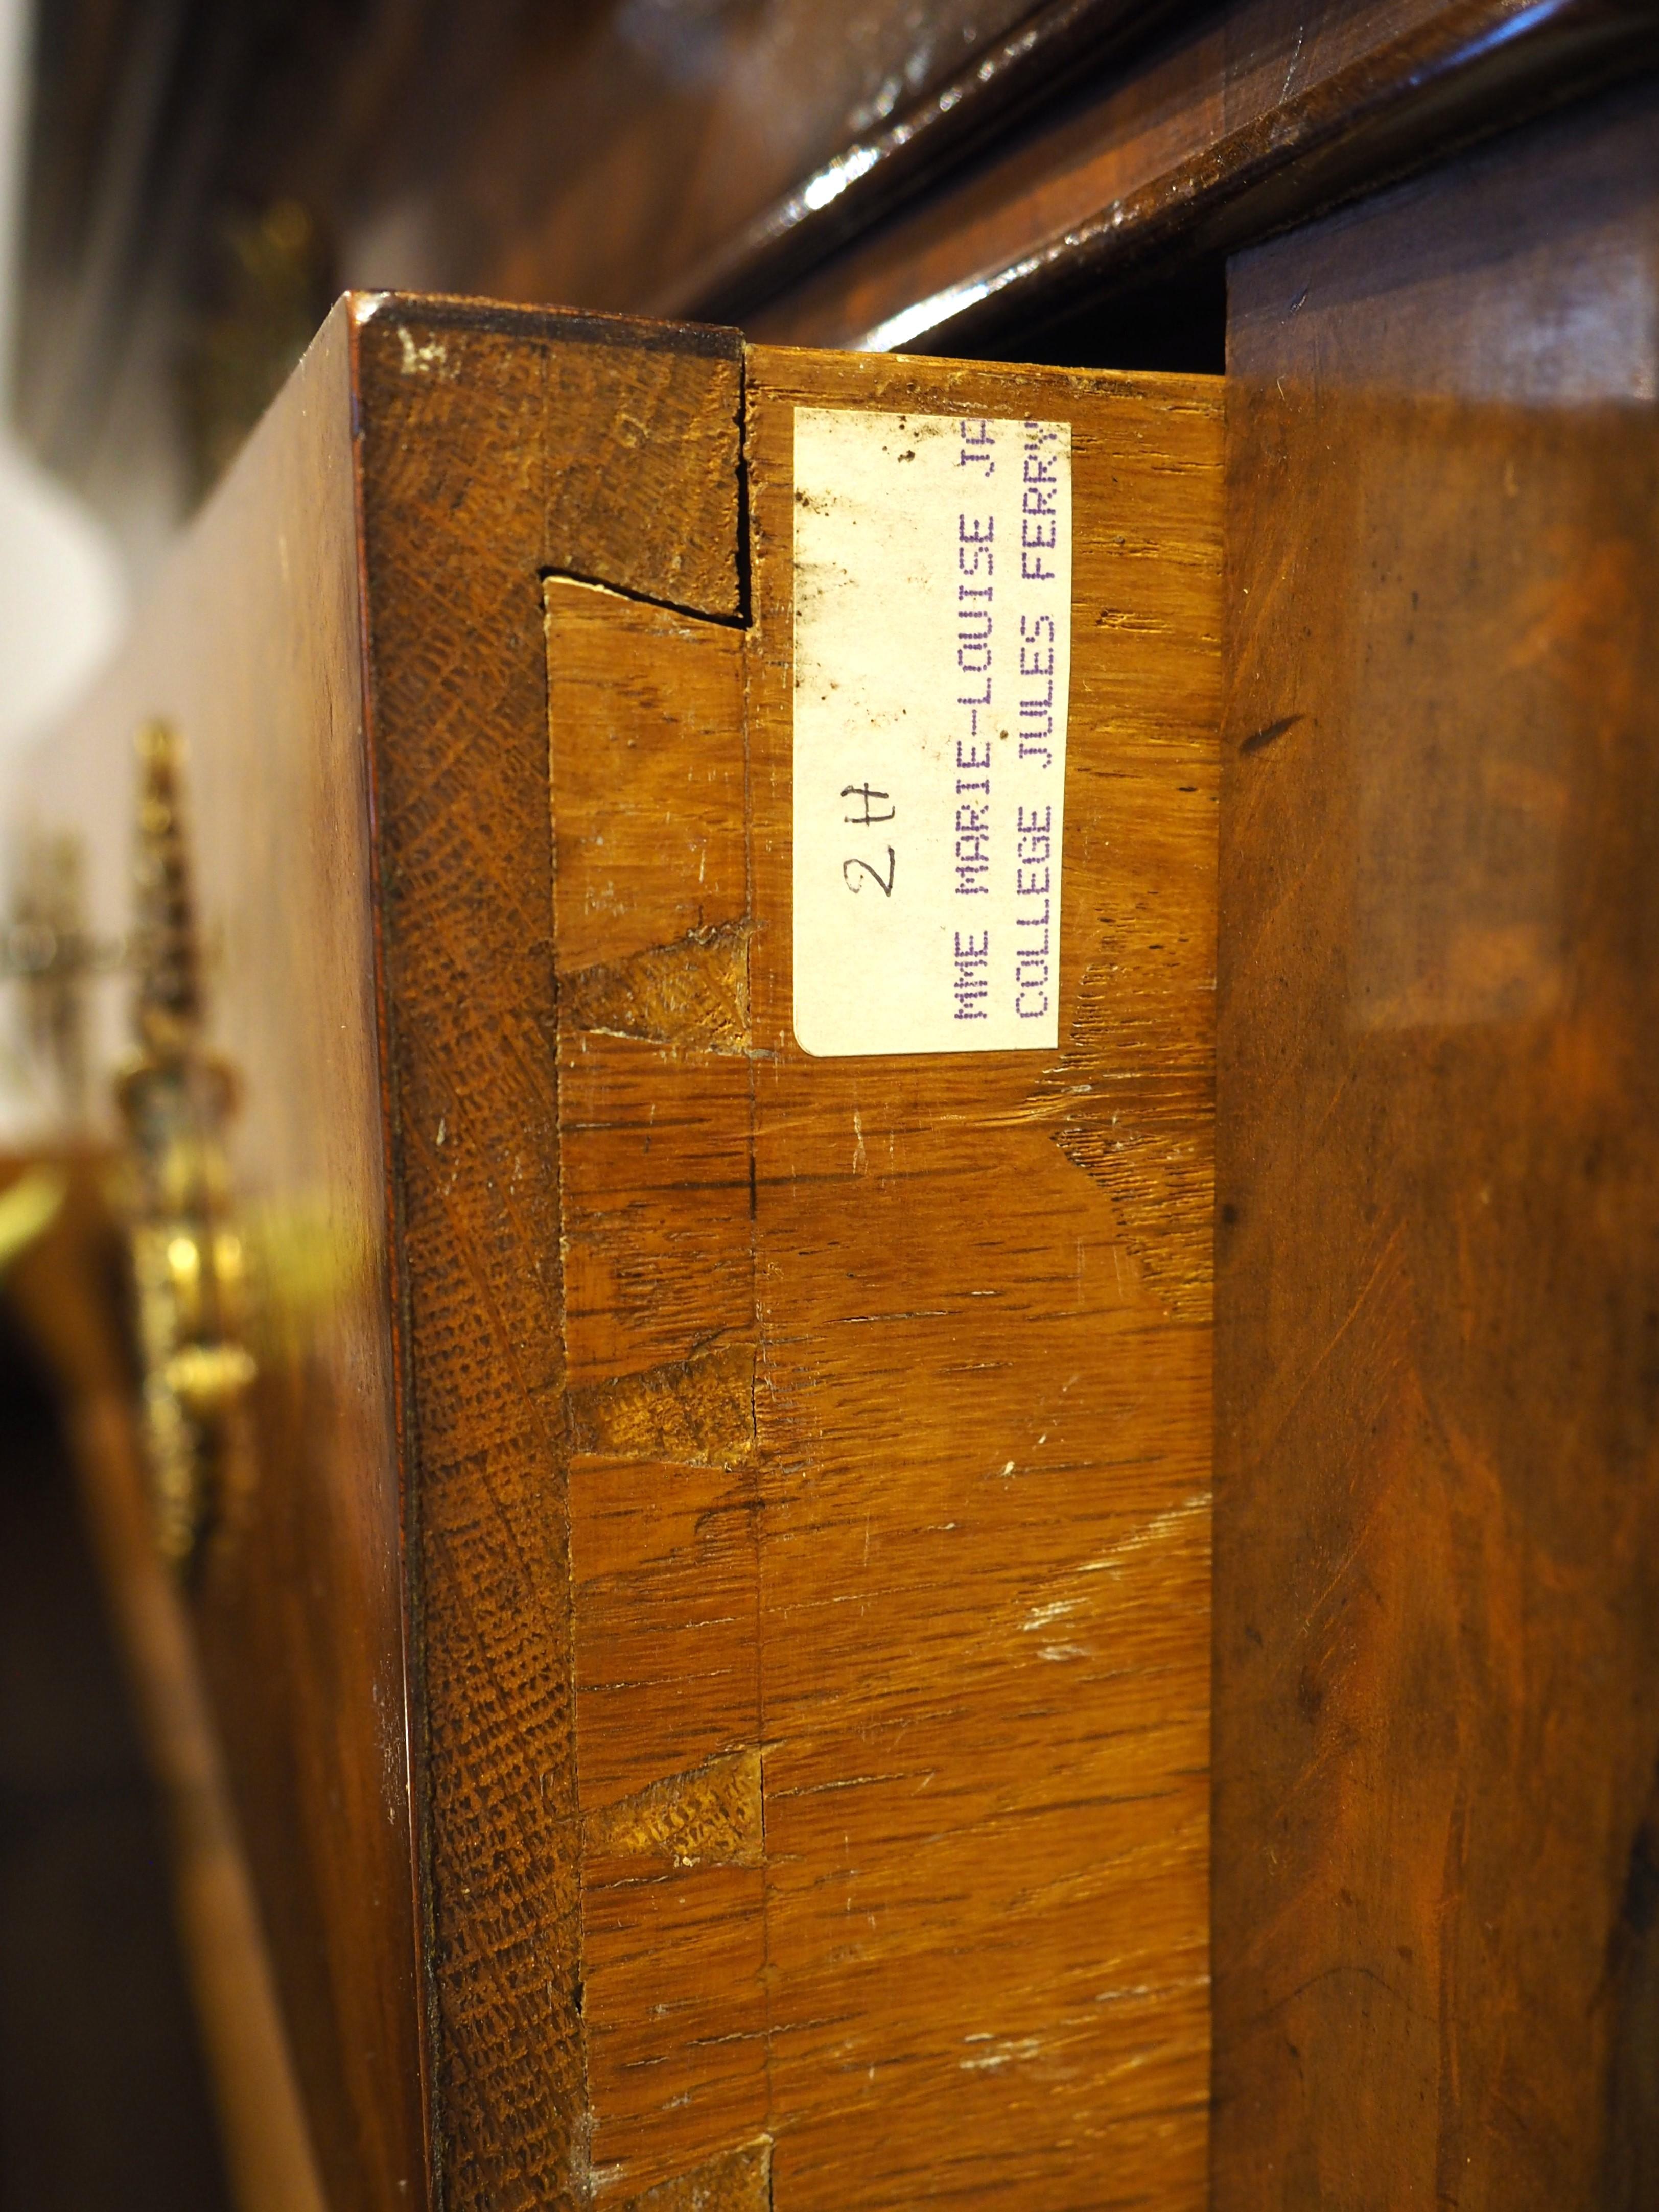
{"x": 693, "y": 994}
{"x": 1008, "y": 2053}
{"x": 1194, "y": 1512}
{"x": 1270, "y": 734}
{"x": 696, "y": 1412}
{"x": 710, "y": 1816}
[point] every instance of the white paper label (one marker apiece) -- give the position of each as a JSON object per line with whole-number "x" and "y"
{"x": 933, "y": 667}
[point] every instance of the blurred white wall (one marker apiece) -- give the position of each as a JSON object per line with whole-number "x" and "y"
{"x": 62, "y": 595}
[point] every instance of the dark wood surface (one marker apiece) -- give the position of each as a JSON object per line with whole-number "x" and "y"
{"x": 1061, "y": 182}
{"x": 419, "y": 148}
{"x": 66, "y": 1290}
{"x": 1242, "y": 120}
{"x": 105, "y": 2095}
{"x": 1015, "y": 77}
{"x": 1437, "y": 1478}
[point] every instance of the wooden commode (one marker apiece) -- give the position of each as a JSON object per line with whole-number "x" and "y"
{"x": 706, "y": 1596}
{"x": 773, "y": 1611}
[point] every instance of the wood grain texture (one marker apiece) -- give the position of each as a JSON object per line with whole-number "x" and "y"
{"x": 351, "y": 646}
{"x": 1058, "y": 180}
{"x": 646, "y": 720}
{"x": 495, "y": 446}
{"x": 737, "y": 2181}
{"x": 1438, "y": 1518}
{"x": 795, "y": 1473}
{"x": 983, "y": 1428}
{"x": 252, "y": 648}
{"x": 890, "y": 1575}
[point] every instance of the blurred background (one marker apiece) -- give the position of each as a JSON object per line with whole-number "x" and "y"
{"x": 103, "y": 2095}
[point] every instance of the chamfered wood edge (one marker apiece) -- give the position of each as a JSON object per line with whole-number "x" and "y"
{"x": 459, "y": 466}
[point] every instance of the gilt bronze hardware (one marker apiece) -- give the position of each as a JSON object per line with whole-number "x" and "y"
{"x": 188, "y": 1265}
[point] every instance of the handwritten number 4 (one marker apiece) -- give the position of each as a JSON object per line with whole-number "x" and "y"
{"x": 856, "y": 882}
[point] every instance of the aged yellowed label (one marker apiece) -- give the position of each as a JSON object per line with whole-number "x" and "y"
{"x": 933, "y": 580}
